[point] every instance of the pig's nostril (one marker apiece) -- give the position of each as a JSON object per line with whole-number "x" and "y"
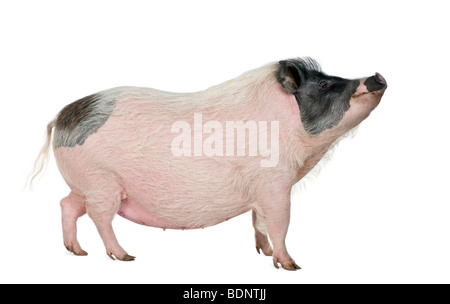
{"x": 379, "y": 79}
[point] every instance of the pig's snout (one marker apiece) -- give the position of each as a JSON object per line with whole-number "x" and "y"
{"x": 371, "y": 84}
{"x": 375, "y": 83}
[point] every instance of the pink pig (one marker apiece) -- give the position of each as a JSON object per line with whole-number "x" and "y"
{"x": 185, "y": 161}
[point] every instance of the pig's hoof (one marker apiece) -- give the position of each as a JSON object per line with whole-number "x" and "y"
{"x": 290, "y": 266}
{"x": 286, "y": 265}
{"x": 125, "y": 257}
{"x": 76, "y": 251}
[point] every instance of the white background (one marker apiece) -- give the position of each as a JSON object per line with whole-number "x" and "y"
{"x": 377, "y": 213}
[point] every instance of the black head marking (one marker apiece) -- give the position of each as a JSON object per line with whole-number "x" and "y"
{"x": 322, "y": 99}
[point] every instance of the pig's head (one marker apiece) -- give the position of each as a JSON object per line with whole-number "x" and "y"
{"x": 329, "y": 104}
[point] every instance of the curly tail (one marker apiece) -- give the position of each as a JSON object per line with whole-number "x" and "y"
{"x": 42, "y": 158}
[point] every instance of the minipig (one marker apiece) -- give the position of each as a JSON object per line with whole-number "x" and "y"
{"x": 192, "y": 160}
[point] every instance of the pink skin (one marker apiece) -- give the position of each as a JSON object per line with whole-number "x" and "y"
{"x": 127, "y": 167}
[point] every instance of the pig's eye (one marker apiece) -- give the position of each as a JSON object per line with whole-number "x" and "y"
{"x": 324, "y": 85}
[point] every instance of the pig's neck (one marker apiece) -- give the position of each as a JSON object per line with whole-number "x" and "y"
{"x": 311, "y": 156}
{"x": 312, "y": 149}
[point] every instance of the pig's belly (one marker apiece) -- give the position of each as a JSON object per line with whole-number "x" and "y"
{"x": 176, "y": 211}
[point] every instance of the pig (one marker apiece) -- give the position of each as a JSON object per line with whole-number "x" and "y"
{"x": 130, "y": 151}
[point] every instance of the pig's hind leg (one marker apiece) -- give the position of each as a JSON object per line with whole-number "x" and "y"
{"x": 101, "y": 208}
{"x": 72, "y": 207}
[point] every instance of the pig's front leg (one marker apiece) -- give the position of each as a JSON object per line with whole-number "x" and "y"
{"x": 276, "y": 210}
{"x": 261, "y": 240}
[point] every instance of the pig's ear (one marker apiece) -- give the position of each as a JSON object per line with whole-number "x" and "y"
{"x": 290, "y": 76}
